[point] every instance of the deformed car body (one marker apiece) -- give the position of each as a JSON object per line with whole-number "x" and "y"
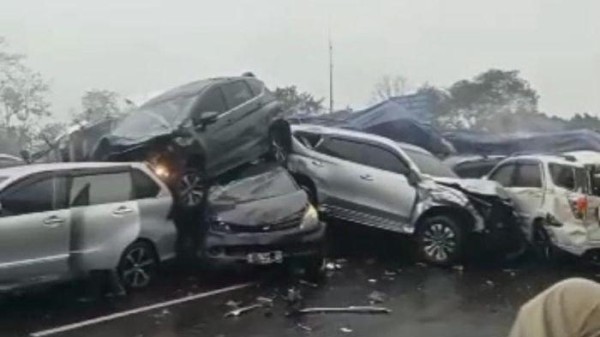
{"x": 472, "y": 166}
{"x": 263, "y": 217}
{"x": 374, "y": 181}
{"x": 199, "y": 131}
{"x": 65, "y": 220}
{"x": 553, "y": 196}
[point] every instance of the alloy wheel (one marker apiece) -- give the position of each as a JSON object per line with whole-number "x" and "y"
{"x": 439, "y": 242}
{"x": 191, "y": 189}
{"x": 137, "y": 267}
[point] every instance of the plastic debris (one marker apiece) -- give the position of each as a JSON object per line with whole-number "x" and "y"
{"x": 265, "y": 301}
{"x": 345, "y": 330}
{"x": 308, "y": 284}
{"x": 377, "y": 297}
{"x": 240, "y": 311}
{"x": 233, "y": 304}
{"x": 489, "y": 283}
{"x": 330, "y": 266}
{"x": 345, "y": 310}
{"x": 304, "y": 327}
{"x": 372, "y": 281}
{"x": 390, "y": 273}
{"x": 459, "y": 268}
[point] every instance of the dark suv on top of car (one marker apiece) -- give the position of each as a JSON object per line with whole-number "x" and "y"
{"x": 199, "y": 131}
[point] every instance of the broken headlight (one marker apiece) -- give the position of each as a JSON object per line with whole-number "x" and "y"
{"x": 311, "y": 217}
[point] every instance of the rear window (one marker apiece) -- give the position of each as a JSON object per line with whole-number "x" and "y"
{"x": 569, "y": 177}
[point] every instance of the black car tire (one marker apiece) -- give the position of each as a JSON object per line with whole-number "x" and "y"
{"x": 138, "y": 266}
{"x": 189, "y": 189}
{"x": 440, "y": 240}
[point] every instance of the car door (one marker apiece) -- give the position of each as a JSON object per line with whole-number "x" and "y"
{"x": 34, "y": 231}
{"x": 105, "y": 218}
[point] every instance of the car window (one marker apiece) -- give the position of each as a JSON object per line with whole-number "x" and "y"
{"x": 474, "y": 170}
{"x": 237, "y": 93}
{"x": 383, "y": 159}
{"x": 429, "y": 164}
{"x": 528, "y": 175}
{"x": 504, "y": 174}
{"x": 143, "y": 186}
{"x": 211, "y": 101}
{"x": 32, "y": 196}
{"x": 569, "y": 177}
{"x": 256, "y": 86}
{"x": 343, "y": 149}
{"x": 102, "y": 188}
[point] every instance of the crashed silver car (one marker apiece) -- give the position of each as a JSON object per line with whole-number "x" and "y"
{"x": 554, "y": 196}
{"x": 63, "y": 221}
{"x": 377, "y": 182}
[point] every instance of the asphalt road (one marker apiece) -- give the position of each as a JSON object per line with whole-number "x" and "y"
{"x": 477, "y": 299}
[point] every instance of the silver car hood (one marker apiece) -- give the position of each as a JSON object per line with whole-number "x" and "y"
{"x": 477, "y": 186}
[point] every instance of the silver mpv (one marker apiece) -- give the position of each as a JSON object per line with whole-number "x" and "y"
{"x": 62, "y": 221}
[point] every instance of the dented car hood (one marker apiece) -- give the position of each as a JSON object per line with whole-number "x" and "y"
{"x": 477, "y": 186}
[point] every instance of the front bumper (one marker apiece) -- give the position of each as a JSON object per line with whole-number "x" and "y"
{"x": 224, "y": 248}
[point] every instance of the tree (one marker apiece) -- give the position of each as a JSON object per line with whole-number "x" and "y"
{"x": 23, "y": 98}
{"x": 302, "y": 102}
{"x": 472, "y": 103}
{"x": 388, "y": 87}
{"x": 98, "y": 105}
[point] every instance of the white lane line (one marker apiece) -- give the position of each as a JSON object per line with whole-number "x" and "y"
{"x": 122, "y": 314}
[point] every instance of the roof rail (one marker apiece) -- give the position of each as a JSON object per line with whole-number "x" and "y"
{"x": 555, "y": 154}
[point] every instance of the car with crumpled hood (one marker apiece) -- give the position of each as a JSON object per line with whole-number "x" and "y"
{"x": 263, "y": 217}
{"x": 376, "y": 182}
{"x": 199, "y": 131}
{"x": 554, "y": 196}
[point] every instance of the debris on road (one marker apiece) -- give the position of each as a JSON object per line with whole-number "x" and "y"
{"x": 243, "y": 310}
{"x": 372, "y": 281}
{"x": 345, "y": 310}
{"x": 390, "y": 273}
{"x": 333, "y": 266}
{"x": 377, "y": 297}
{"x": 233, "y": 304}
{"x": 490, "y": 283}
{"x": 459, "y": 268}
{"x": 265, "y": 301}
{"x": 304, "y": 327}
{"x": 308, "y": 284}
{"x": 345, "y": 330}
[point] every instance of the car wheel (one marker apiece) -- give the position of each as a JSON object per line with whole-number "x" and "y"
{"x": 277, "y": 150}
{"x": 190, "y": 189}
{"x": 440, "y": 240}
{"x": 138, "y": 266}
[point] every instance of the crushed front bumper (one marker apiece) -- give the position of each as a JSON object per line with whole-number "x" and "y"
{"x": 225, "y": 248}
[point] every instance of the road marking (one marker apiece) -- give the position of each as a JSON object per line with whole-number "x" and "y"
{"x": 122, "y": 314}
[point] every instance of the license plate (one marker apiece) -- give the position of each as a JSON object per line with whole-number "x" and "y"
{"x": 265, "y": 258}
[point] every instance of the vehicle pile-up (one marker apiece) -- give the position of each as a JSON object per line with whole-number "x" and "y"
{"x": 219, "y": 174}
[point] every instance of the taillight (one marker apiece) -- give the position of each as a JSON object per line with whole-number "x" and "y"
{"x": 579, "y": 206}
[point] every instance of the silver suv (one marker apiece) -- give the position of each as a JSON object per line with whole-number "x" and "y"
{"x": 63, "y": 221}
{"x": 553, "y": 195}
{"x": 377, "y": 182}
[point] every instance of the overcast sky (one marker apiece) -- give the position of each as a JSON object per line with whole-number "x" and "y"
{"x": 134, "y": 47}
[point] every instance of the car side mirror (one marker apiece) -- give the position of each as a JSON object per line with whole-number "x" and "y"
{"x": 206, "y": 118}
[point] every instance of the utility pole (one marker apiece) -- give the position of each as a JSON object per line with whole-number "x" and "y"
{"x": 330, "y": 74}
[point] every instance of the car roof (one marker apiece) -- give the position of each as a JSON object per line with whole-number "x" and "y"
{"x": 546, "y": 159}
{"x": 23, "y": 170}
{"x": 327, "y": 130}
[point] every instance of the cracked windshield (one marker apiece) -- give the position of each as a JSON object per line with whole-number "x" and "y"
{"x": 299, "y": 168}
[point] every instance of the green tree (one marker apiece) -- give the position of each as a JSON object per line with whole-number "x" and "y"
{"x": 473, "y": 103}
{"x": 294, "y": 100}
{"x": 98, "y": 105}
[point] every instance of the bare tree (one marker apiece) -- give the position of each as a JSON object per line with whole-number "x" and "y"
{"x": 98, "y": 105}
{"x": 388, "y": 87}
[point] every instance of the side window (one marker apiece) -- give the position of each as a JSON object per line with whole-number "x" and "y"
{"x": 256, "y": 86}
{"x": 237, "y": 93}
{"x": 143, "y": 186}
{"x": 384, "y": 160}
{"x": 528, "y": 175}
{"x": 31, "y": 196}
{"x": 343, "y": 149}
{"x": 211, "y": 101}
{"x": 101, "y": 188}
{"x": 504, "y": 174}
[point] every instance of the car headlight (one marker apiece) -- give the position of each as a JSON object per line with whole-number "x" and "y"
{"x": 311, "y": 217}
{"x": 162, "y": 171}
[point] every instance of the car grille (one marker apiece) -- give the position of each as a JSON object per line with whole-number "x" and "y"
{"x": 292, "y": 221}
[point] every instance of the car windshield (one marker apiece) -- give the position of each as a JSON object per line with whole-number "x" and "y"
{"x": 254, "y": 187}
{"x": 428, "y": 164}
{"x": 155, "y": 118}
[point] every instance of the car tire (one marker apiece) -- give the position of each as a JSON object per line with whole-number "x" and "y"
{"x": 190, "y": 189}
{"x": 440, "y": 240}
{"x": 138, "y": 266}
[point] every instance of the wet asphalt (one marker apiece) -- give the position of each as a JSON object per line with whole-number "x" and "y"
{"x": 368, "y": 267}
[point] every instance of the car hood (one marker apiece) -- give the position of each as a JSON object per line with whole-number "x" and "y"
{"x": 477, "y": 186}
{"x": 261, "y": 211}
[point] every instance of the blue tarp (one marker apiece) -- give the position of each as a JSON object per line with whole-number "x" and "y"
{"x": 469, "y": 142}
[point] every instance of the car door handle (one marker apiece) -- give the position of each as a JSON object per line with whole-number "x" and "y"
{"x": 317, "y": 163}
{"x": 366, "y": 177}
{"x": 122, "y": 210}
{"x": 53, "y": 221}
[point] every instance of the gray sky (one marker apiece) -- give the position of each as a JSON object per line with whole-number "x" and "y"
{"x": 134, "y": 47}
